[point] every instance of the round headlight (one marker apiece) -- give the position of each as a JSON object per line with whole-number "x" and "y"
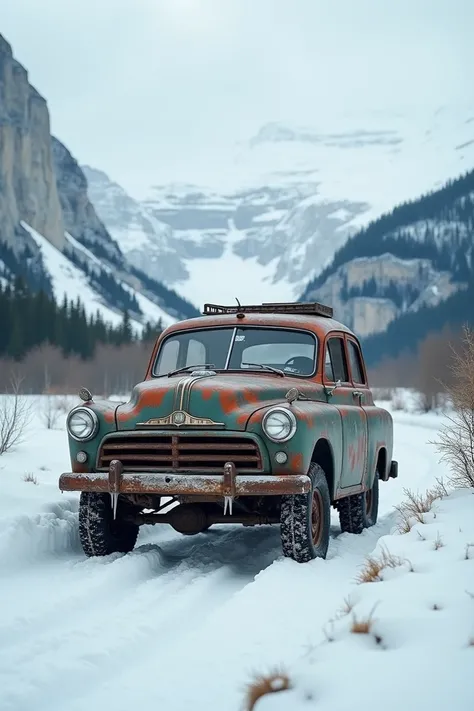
{"x": 279, "y": 425}
{"x": 82, "y": 424}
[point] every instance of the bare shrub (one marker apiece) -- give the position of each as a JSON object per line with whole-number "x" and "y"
{"x": 468, "y": 548}
{"x": 50, "y": 413}
{"x": 15, "y": 415}
{"x": 456, "y": 439}
{"x": 30, "y": 478}
{"x": 398, "y": 401}
{"x": 374, "y": 566}
{"x": 265, "y": 684}
{"x": 65, "y": 404}
{"x": 382, "y": 393}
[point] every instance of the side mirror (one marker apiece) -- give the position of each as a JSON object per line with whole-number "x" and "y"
{"x": 329, "y": 391}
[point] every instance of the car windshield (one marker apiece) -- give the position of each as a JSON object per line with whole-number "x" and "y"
{"x": 289, "y": 350}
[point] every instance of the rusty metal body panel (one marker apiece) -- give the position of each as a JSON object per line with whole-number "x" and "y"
{"x": 177, "y": 434}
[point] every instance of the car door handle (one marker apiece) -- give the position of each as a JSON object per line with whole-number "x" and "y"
{"x": 357, "y": 393}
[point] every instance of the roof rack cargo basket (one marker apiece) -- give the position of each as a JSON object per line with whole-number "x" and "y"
{"x": 308, "y": 309}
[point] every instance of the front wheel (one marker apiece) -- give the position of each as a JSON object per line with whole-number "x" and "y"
{"x": 305, "y": 520}
{"x": 360, "y": 511}
{"x": 99, "y": 533}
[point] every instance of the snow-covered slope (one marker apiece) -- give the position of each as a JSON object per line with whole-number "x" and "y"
{"x": 68, "y": 280}
{"x": 294, "y": 195}
{"x": 185, "y": 622}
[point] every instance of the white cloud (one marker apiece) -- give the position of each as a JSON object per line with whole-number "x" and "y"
{"x": 150, "y": 89}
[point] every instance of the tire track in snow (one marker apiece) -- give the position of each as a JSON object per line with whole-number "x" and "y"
{"x": 83, "y": 645}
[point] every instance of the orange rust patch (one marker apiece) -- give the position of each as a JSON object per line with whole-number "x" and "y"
{"x": 250, "y": 396}
{"x": 206, "y": 393}
{"x": 151, "y": 398}
{"x": 296, "y": 462}
{"x": 242, "y": 418}
{"x": 228, "y": 401}
{"x": 146, "y": 398}
{"x": 78, "y": 467}
{"x": 109, "y": 417}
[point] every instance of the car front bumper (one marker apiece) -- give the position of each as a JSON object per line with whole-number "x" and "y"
{"x": 229, "y": 483}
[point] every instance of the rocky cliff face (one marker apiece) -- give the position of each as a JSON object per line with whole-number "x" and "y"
{"x": 50, "y": 233}
{"x": 79, "y": 216}
{"x": 399, "y": 285}
{"x": 28, "y": 188}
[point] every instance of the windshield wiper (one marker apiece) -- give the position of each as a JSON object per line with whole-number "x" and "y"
{"x": 266, "y": 367}
{"x": 190, "y": 367}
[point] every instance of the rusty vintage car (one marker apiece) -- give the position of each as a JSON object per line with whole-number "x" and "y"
{"x": 247, "y": 414}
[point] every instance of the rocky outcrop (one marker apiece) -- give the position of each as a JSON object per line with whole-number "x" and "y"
{"x": 369, "y": 293}
{"x": 80, "y": 218}
{"x": 27, "y": 182}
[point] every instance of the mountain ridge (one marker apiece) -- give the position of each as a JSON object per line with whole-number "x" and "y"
{"x": 47, "y": 221}
{"x": 289, "y": 197}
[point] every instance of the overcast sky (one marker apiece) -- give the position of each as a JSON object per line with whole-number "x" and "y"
{"x": 148, "y": 90}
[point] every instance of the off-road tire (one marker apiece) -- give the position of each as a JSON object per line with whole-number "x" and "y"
{"x": 305, "y": 520}
{"x": 98, "y": 532}
{"x": 359, "y": 511}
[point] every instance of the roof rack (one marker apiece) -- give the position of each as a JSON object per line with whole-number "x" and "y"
{"x": 309, "y": 309}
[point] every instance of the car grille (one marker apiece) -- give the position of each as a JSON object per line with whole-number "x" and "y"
{"x": 174, "y": 452}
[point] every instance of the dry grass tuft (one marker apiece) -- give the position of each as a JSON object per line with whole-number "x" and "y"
{"x": 30, "y": 478}
{"x": 374, "y": 566}
{"x": 266, "y": 684}
{"x": 438, "y": 543}
{"x": 415, "y": 506}
{"x": 436, "y": 607}
{"x": 471, "y": 642}
{"x": 364, "y": 626}
{"x": 346, "y": 608}
{"x": 361, "y": 626}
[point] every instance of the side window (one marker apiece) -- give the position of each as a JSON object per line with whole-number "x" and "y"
{"x": 356, "y": 363}
{"x": 335, "y": 365}
{"x": 328, "y": 371}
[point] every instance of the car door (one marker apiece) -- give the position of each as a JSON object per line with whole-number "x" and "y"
{"x": 363, "y": 393}
{"x": 345, "y": 397}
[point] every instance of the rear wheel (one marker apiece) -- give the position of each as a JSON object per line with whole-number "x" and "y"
{"x": 360, "y": 511}
{"x": 305, "y": 520}
{"x": 99, "y": 533}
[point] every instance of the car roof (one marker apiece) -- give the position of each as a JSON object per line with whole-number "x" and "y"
{"x": 320, "y": 325}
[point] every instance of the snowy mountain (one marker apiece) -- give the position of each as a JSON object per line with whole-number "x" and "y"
{"x": 50, "y": 233}
{"x": 284, "y": 201}
{"x": 409, "y": 272}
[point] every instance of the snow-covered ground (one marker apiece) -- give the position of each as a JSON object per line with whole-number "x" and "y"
{"x": 184, "y": 622}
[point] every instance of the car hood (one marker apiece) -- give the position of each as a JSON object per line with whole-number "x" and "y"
{"x": 227, "y": 399}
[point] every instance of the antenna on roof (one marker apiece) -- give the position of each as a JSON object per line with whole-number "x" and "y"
{"x": 238, "y": 302}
